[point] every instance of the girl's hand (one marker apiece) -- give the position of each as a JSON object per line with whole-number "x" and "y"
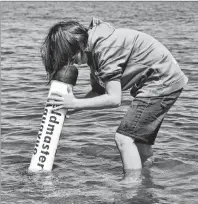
{"x": 62, "y": 100}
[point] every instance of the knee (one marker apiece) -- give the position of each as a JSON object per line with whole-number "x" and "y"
{"x": 122, "y": 140}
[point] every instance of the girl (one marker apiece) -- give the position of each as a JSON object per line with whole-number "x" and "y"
{"x": 119, "y": 59}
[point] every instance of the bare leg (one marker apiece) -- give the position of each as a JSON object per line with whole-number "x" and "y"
{"x": 145, "y": 151}
{"x": 129, "y": 154}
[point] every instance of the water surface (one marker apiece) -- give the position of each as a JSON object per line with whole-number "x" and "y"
{"x": 87, "y": 166}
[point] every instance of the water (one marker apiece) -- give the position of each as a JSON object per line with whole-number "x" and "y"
{"x": 87, "y": 166}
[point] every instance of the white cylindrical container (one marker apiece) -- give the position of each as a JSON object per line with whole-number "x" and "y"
{"x": 51, "y": 124}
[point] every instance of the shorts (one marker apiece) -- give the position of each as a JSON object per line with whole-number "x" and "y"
{"x": 145, "y": 116}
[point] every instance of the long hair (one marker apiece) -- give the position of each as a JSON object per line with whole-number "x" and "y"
{"x": 64, "y": 40}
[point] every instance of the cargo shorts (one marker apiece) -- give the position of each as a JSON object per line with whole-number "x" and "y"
{"x": 145, "y": 116}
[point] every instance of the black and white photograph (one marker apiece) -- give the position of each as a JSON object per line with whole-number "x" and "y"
{"x": 99, "y": 102}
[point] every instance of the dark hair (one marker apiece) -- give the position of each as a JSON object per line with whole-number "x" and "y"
{"x": 64, "y": 40}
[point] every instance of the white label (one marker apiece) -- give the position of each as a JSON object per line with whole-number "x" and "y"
{"x": 49, "y": 133}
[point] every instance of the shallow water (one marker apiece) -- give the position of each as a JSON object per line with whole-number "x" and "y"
{"x": 87, "y": 166}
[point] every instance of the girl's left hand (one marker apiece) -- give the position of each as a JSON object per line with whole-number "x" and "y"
{"x": 60, "y": 100}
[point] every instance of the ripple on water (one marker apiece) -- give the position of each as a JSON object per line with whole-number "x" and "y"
{"x": 88, "y": 167}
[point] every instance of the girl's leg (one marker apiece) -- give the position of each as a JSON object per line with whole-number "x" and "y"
{"x": 145, "y": 151}
{"x": 129, "y": 153}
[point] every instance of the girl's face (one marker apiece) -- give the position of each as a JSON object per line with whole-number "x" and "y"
{"x": 80, "y": 58}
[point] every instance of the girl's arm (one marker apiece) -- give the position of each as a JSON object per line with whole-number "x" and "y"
{"x": 91, "y": 94}
{"x": 111, "y": 99}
